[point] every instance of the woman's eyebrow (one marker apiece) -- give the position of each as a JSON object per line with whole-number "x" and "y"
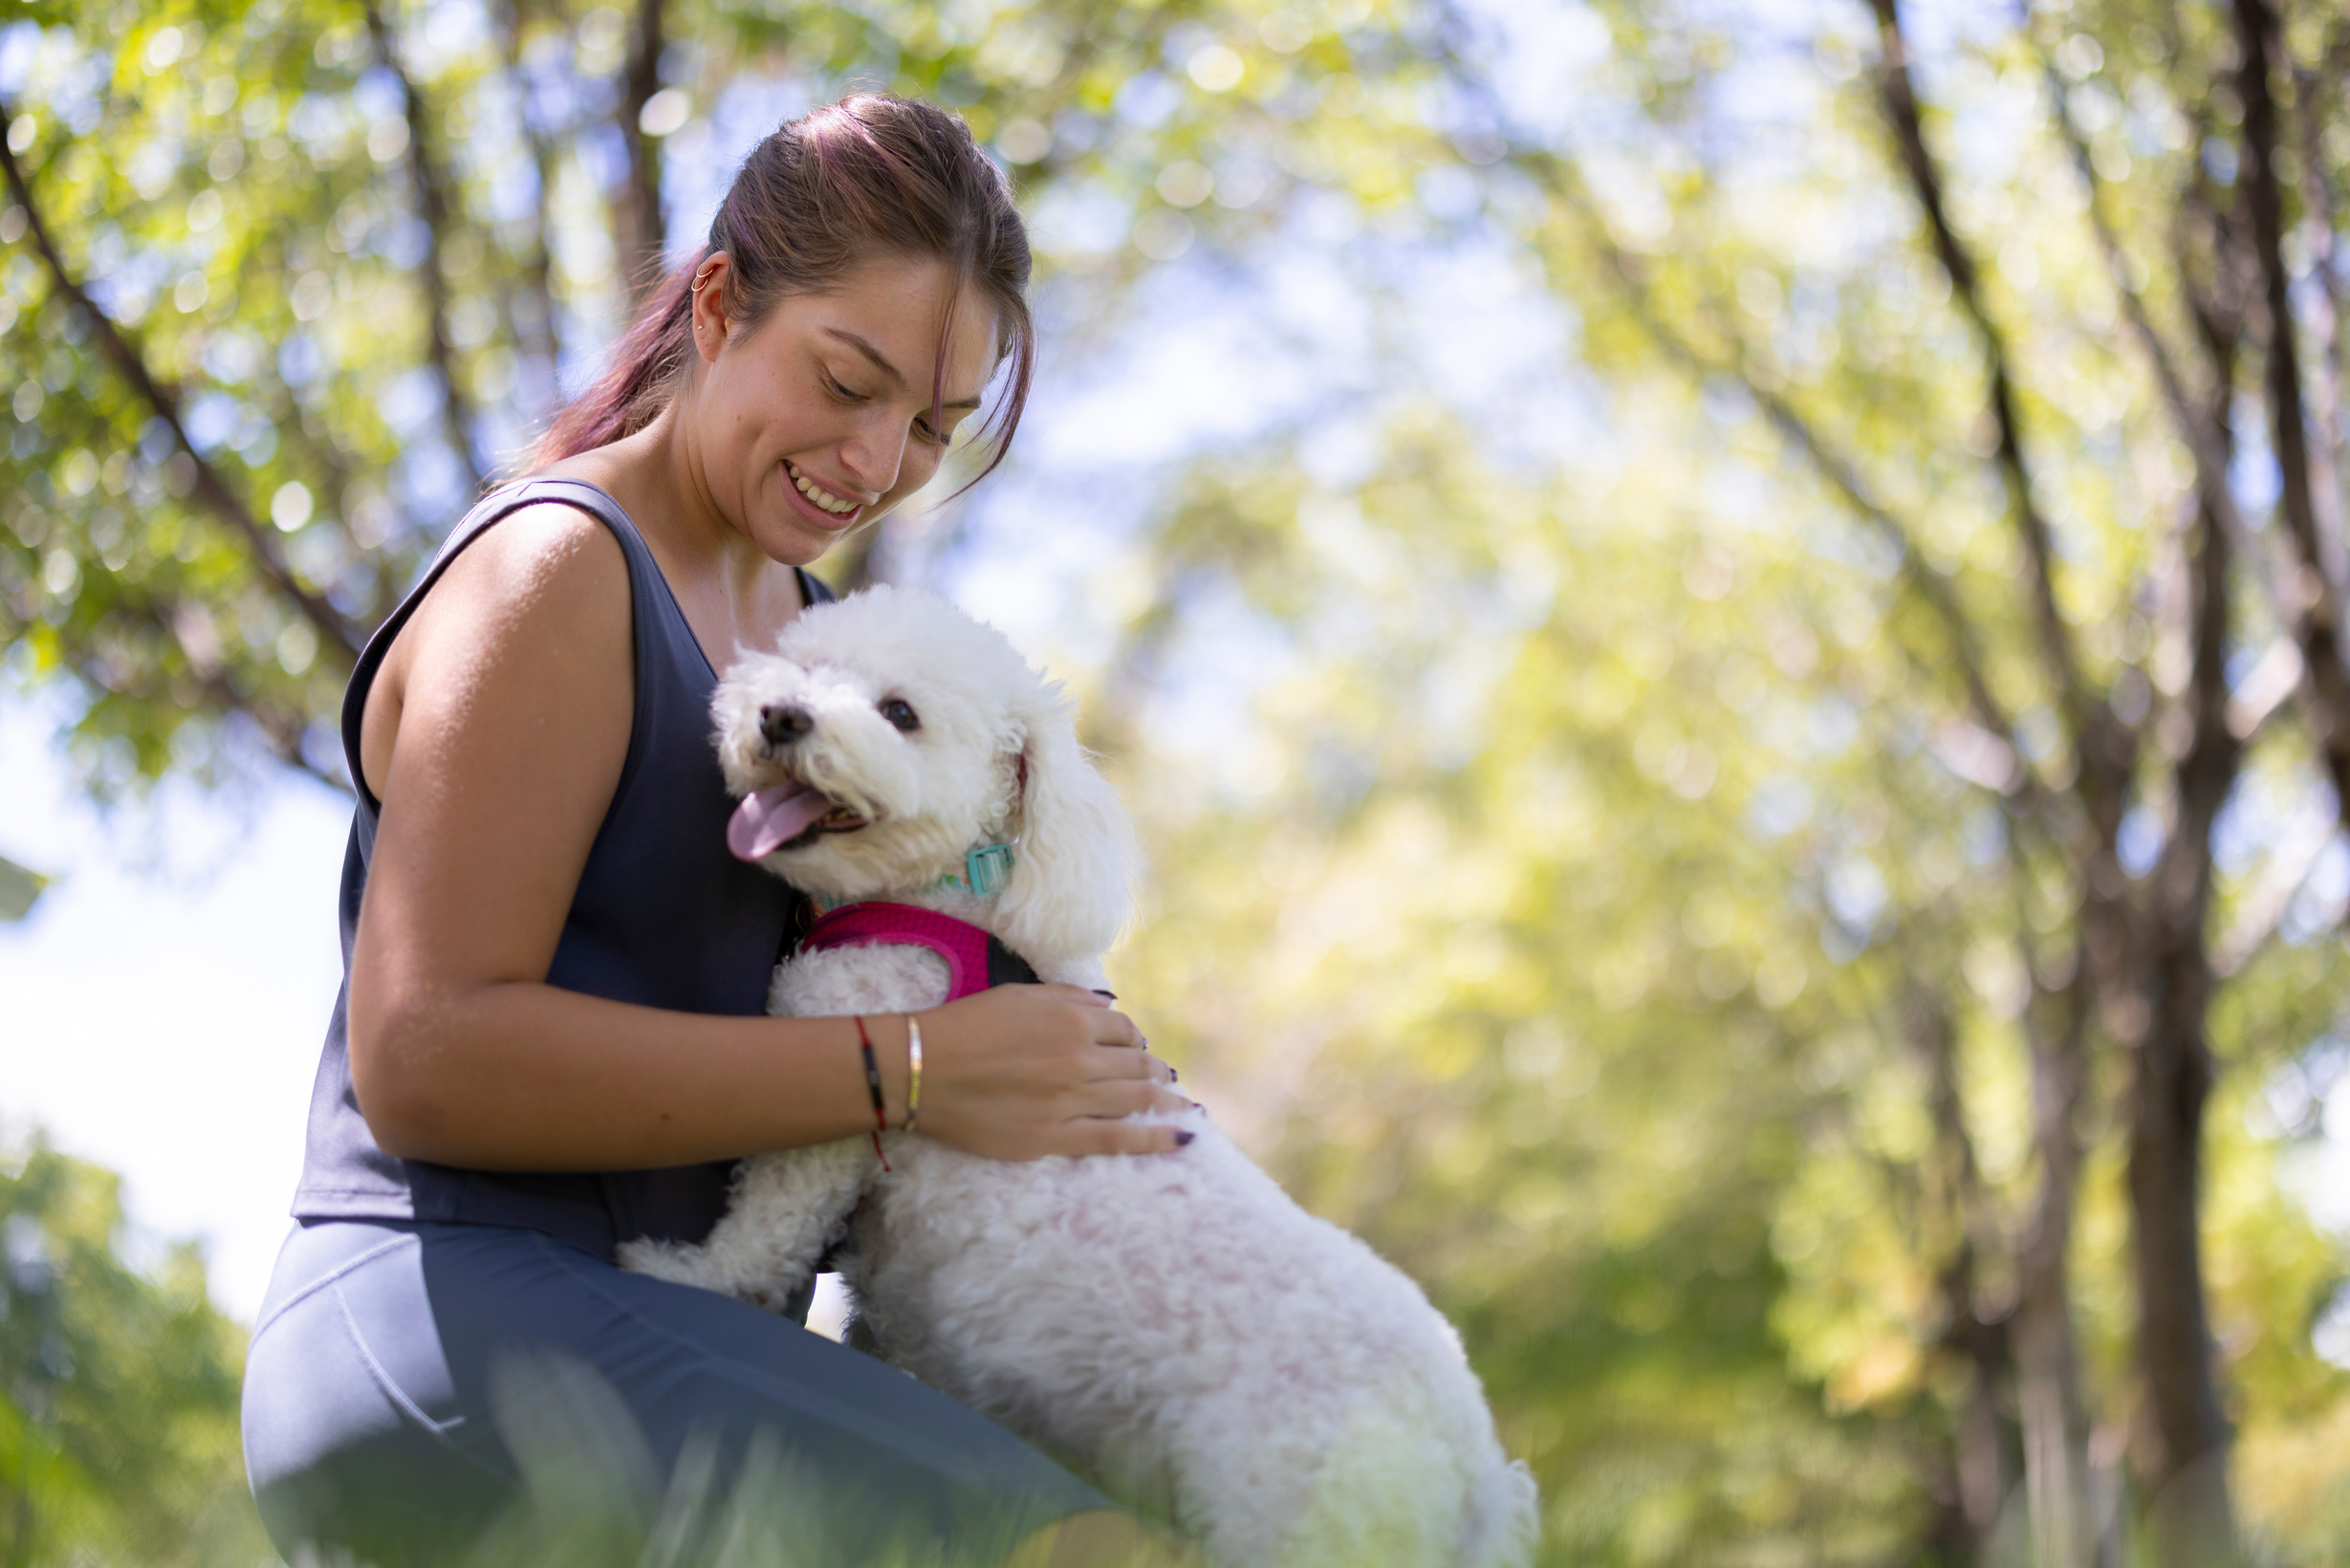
{"x": 881, "y": 362}
{"x": 864, "y": 346}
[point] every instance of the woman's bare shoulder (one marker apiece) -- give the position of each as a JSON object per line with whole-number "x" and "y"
{"x": 545, "y": 569}
{"x": 529, "y": 615}
{"x": 543, "y": 540}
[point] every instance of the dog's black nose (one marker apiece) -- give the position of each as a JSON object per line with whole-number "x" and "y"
{"x": 782, "y": 726}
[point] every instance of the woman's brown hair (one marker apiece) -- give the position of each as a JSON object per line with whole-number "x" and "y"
{"x": 873, "y": 175}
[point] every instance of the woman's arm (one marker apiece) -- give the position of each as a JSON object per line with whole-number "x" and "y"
{"x": 494, "y": 735}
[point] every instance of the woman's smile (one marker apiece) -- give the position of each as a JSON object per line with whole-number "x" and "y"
{"x": 826, "y": 509}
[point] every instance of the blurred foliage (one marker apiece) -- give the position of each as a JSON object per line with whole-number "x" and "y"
{"x": 1509, "y": 1004}
{"x": 1602, "y": 1028}
{"x": 20, "y": 888}
{"x": 1583, "y": 867}
{"x": 117, "y": 1386}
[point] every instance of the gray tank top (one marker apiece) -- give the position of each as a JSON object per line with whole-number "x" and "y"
{"x": 664, "y": 917}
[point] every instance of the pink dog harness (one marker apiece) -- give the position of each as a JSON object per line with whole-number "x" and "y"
{"x": 974, "y": 959}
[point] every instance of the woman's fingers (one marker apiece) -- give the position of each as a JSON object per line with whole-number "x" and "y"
{"x": 1125, "y": 1098}
{"x": 1124, "y": 1062}
{"x": 1091, "y": 1137}
{"x": 1103, "y": 1022}
{"x": 1025, "y": 1071}
{"x": 1113, "y": 1027}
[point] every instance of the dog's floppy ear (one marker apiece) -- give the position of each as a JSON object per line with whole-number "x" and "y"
{"x": 1072, "y": 884}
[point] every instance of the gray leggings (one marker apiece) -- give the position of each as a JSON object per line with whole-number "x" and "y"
{"x": 414, "y": 1390}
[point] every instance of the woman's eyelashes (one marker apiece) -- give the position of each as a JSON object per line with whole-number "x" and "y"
{"x": 848, "y": 398}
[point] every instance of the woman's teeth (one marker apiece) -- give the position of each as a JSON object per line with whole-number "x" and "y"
{"x": 821, "y": 496}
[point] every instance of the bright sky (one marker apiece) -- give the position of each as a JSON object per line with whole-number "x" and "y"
{"x": 165, "y": 999}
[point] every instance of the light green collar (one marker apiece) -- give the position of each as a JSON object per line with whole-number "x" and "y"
{"x": 986, "y": 869}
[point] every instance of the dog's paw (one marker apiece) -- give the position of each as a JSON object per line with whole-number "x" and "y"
{"x": 669, "y": 1260}
{"x": 677, "y": 1263}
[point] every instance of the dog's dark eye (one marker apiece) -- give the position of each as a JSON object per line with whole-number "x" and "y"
{"x": 900, "y": 712}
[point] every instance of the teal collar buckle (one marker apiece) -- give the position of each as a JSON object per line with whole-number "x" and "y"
{"x": 986, "y": 869}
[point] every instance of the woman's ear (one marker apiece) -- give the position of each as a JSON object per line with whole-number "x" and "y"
{"x": 712, "y": 275}
{"x": 1072, "y": 884}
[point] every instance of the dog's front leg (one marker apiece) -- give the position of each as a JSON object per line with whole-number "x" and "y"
{"x": 783, "y": 1213}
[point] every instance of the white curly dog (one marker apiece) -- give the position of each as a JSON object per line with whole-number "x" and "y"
{"x": 1171, "y": 1323}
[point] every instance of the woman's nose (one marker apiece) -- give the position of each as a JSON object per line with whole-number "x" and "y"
{"x": 875, "y": 454}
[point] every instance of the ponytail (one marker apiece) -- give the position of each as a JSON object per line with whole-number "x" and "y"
{"x": 644, "y": 368}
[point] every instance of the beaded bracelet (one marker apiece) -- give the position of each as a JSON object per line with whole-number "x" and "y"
{"x": 873, "y": 1086}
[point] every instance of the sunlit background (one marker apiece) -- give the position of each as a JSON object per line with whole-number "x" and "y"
{"x": 1733, "y": 689}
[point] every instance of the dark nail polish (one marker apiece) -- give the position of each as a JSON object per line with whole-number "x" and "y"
{"x": 1173, "y": 1075}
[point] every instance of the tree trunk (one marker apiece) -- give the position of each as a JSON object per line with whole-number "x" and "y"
{"x": 1982, "y": 1440}
{"x": 1984, "y": 1463}
{"x": 2195, "y": 1525}
{"x": 2064, "y": 1524}
{"x": 639, "y": 231}
{"x": 2194, "y": 1522}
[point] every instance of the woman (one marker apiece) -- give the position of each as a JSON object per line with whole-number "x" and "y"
{"x": 551, "y": 1035}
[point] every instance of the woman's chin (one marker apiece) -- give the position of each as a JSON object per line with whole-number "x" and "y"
{"x": 792, "y": 541}
{"x": 793, "y": 532}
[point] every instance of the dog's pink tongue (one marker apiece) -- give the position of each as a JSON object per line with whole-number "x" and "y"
{"x": 765, "y": 822}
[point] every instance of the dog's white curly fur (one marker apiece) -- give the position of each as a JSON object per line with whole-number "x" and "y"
{"x": 1173, "y": 1324}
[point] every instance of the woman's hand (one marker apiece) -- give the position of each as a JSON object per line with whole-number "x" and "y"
{"x": 1020, "y": 1072}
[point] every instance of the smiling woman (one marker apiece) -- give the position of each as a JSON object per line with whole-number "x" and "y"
{"x": 818, "y": 427}
{"x": 884, "y": 180}
{"x": 552, "y": 1038}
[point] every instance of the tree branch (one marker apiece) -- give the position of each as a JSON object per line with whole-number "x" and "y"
{"x": 538, "y": 267}
{"x": 2312, "y": 606}
{"x": 636, "y": 216}
{"x": 2097, "y": 737}
{"x": 2216, "y": 313}
{"x": 2262, "y": 50}
{"x": 2319, "y": 216}
{"x": 2203, "y": 424}
{"x": 2215, "y": 753}
{"x": 190, "y": 625}
{"x": 1935, "y": 590}
{"x": 432, "y": 204}
{"x": 1932, "y": 587}
{"x": 2185, "y": 409}
{"x": 337, "y": 634}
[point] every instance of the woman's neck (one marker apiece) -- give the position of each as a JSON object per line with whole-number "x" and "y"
{"x": 732, "y": 591}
